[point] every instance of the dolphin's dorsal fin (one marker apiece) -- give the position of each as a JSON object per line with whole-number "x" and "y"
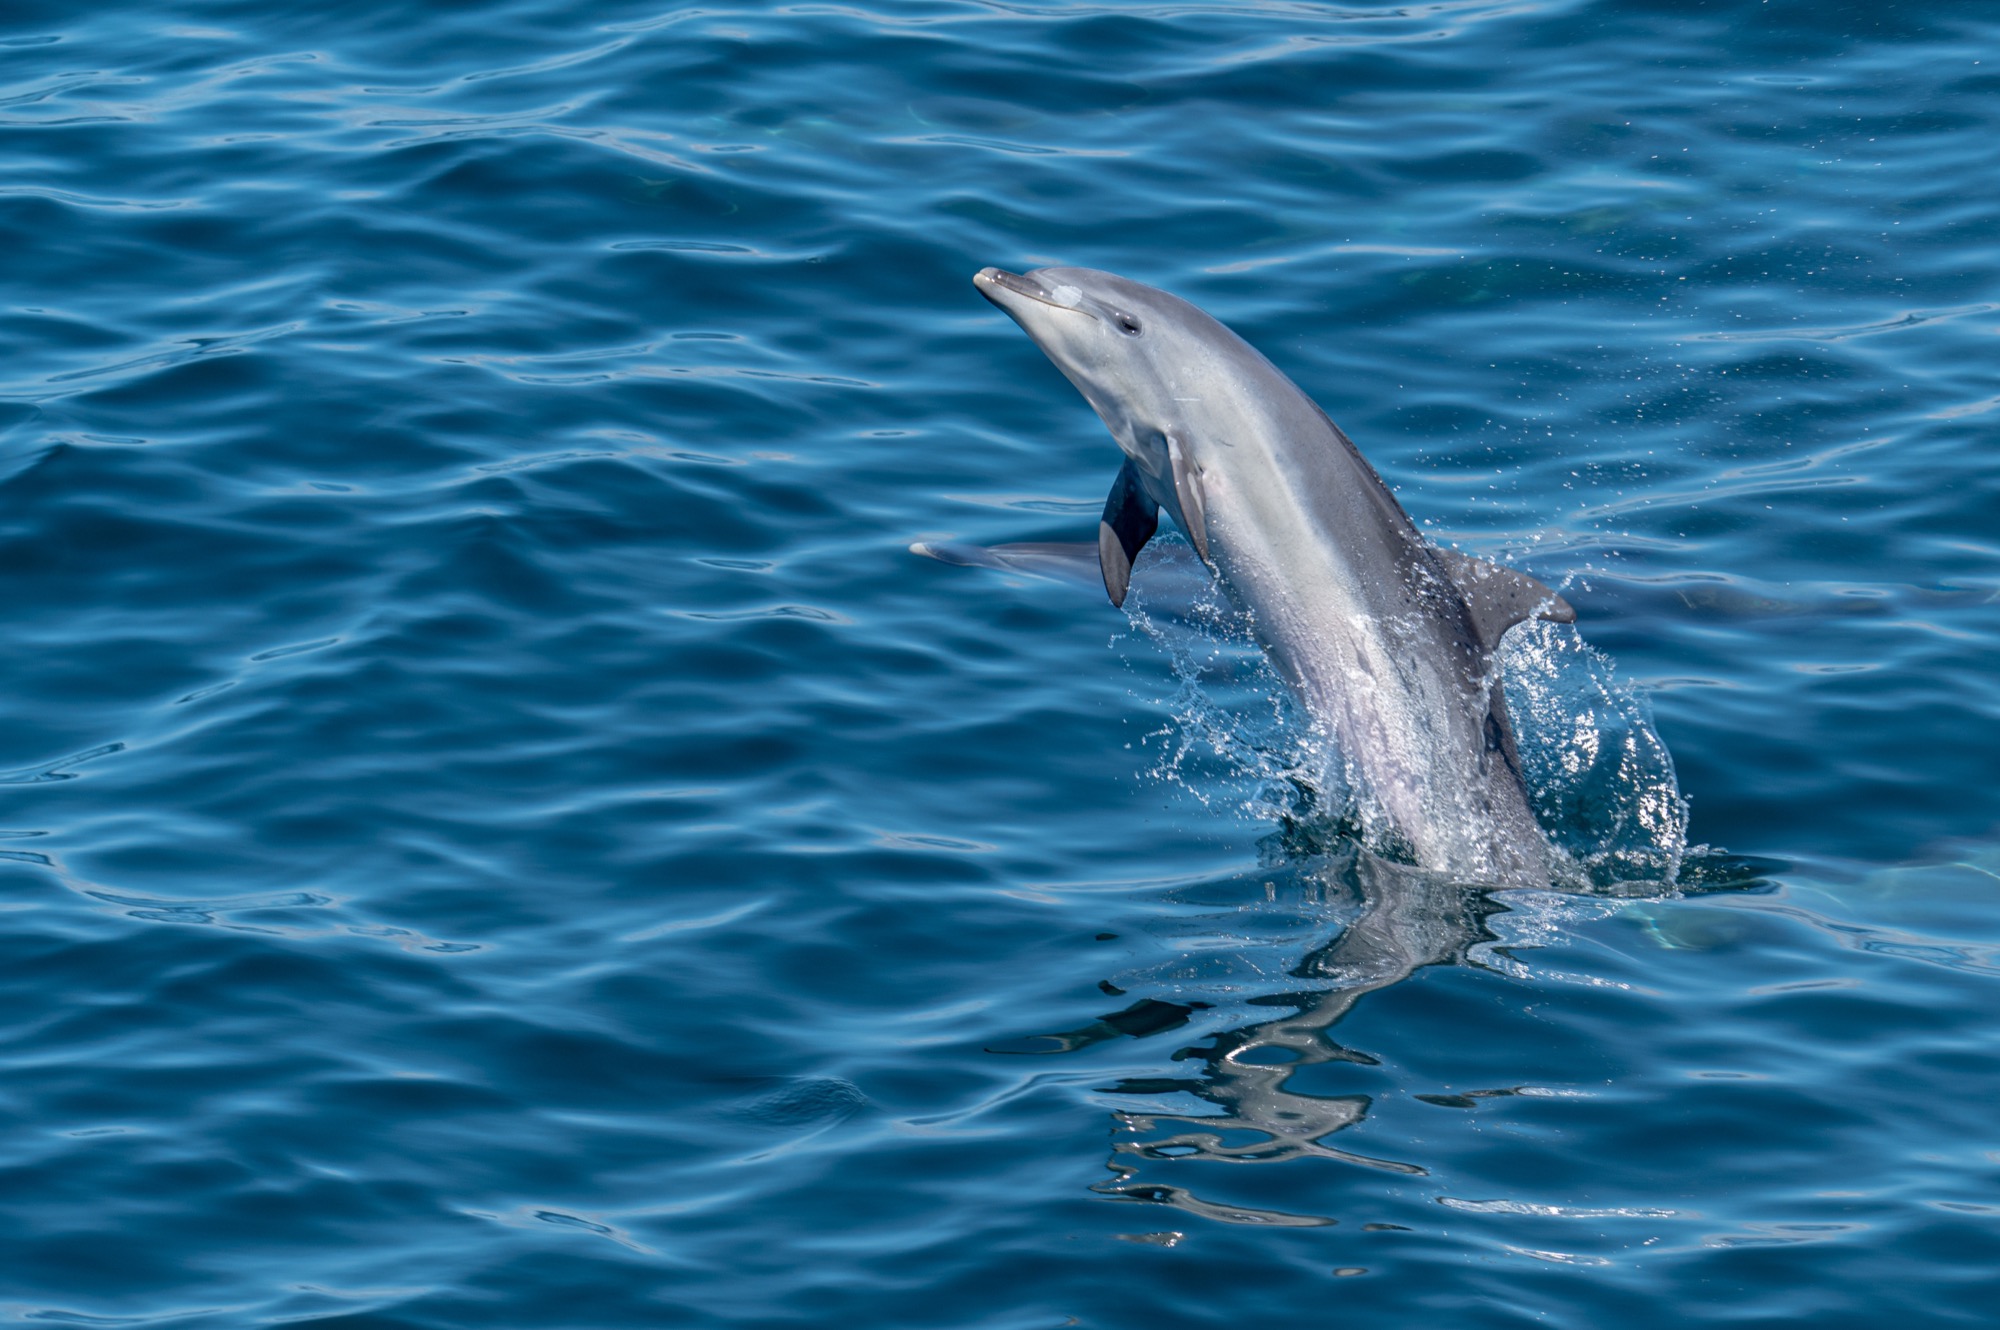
{"x": 1498, "y": 597}
{"x": 1129, "y": 521}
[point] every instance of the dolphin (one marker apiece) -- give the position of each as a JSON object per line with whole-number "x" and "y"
{"x": 1386, "y": 639}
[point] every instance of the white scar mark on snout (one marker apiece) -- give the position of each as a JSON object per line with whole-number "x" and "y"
{"x": 1066, "y": 296}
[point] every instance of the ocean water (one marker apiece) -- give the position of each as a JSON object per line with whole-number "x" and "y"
{"x": 497, "y": 828}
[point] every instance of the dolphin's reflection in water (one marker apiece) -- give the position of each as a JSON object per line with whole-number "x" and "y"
{"x": 1406, "y": 919}
{"x": 1402, "y": 919}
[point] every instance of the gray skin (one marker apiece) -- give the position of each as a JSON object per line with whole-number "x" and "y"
{"x": 1386, "y": 640}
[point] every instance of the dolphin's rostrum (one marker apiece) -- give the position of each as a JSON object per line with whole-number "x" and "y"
{"x": 1386, "y": 639}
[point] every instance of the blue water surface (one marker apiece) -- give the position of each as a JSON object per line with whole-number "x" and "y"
{"x": 499, "y": 829}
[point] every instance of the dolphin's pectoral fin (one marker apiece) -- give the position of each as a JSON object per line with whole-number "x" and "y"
{"x": 1187, "y": 488}
{"x": 1129, "y": 521}
{"x": 1498, "y": 598}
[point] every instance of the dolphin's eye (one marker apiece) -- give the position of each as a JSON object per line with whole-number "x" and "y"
{"x": 1126, "y": 323}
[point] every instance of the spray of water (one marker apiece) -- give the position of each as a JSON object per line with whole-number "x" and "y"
{"x": 1600, "y": 780}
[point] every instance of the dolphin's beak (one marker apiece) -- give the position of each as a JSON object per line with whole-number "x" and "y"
{"x": 993, "y": 282}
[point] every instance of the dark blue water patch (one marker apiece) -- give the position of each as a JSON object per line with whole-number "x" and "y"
{"x": 499, "y": 829}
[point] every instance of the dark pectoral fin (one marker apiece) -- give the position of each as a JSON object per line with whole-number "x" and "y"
{"x": 1499, "y": 597}
{"x": 1187, "y": 488}
{"x": 1129, "y": 521}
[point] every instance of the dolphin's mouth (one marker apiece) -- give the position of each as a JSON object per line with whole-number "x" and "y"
{"x": 991, "y": 281}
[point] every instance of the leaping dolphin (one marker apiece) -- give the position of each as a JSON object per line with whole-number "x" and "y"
{"x": 1386, "y": 639}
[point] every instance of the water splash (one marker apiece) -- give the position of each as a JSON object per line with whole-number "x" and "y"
{"x": 1599, "y": 778}
{"x": 1236, "y": 733}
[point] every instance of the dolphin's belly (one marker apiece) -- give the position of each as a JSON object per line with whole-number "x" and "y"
{"x": 1395, "y": 694}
